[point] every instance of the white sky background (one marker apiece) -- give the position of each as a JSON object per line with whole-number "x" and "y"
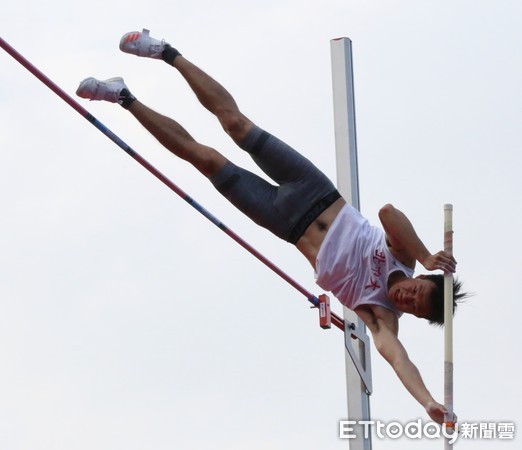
{"x": 129, "y": 321}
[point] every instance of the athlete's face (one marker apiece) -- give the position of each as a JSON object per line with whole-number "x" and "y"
{"x": 412, "y": 296}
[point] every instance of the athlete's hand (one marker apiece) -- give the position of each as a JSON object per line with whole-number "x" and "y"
{"x": 436, "y": 411}
{"x": 440, "y": 261}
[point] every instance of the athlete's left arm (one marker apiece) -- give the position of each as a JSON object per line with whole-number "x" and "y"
{"x": 406, "y": 245}
{"x": 392, "y": 350}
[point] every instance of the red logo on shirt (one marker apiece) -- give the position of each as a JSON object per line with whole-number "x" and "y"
{"x": 378, "y": 260}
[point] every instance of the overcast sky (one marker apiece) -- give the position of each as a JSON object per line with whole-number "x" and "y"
{"x": 127, "y": 320}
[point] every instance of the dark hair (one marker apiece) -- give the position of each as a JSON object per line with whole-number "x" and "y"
{"x": 436, "y": 316}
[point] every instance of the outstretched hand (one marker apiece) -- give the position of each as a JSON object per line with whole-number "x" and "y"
{"x": 437, "y": 411}
{"x": 440, "y": 261}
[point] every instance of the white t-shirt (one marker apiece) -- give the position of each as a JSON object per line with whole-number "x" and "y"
{"x": 354, "y": 262}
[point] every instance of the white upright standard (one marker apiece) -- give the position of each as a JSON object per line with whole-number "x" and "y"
{"x": 358, "y": 368}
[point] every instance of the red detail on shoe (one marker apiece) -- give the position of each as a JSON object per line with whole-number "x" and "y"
{"x": 132, "y": 37}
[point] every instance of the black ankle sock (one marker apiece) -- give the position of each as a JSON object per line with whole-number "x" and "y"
{"x": 126, "y": 98}
{"x": 169, "y": 54}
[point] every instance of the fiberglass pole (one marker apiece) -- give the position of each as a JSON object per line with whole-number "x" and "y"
{"x": 448, "y": 327}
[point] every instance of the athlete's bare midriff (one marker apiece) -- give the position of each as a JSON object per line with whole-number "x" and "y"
{"x": 310, "y": 242}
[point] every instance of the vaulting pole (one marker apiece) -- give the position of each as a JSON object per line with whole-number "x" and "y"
{"x": 448, "y": 328}
{"x": 335, "y": 319}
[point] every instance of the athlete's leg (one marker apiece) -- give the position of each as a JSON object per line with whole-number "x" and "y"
{"x": 210, "y": 93}
{"x": 169, "y": 132}
{"x": 278, "y": 160}
{"x": 176, "y": 139}
{"x": 249, "y": 193}
{"x": 214, "y": 97}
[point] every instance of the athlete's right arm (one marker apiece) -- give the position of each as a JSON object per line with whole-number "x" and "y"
{"x": 406, "y": 245}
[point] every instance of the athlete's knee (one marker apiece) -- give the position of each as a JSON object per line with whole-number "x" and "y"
{"x": 211, "y": 163}
{"x": 205, "y": 159}
{"x": 235, "y": 124}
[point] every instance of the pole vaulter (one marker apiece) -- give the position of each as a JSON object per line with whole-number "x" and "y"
{"x": 370, "y": 270}
{"x": 320, "y": 302}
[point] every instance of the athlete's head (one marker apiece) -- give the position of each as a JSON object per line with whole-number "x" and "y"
{"x": 423, "y": 297}
{"x": 436, "y": 316}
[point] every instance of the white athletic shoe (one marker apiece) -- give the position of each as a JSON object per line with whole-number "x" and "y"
{"x": 108, "y": 90}
{"x": 141, "y": 44}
